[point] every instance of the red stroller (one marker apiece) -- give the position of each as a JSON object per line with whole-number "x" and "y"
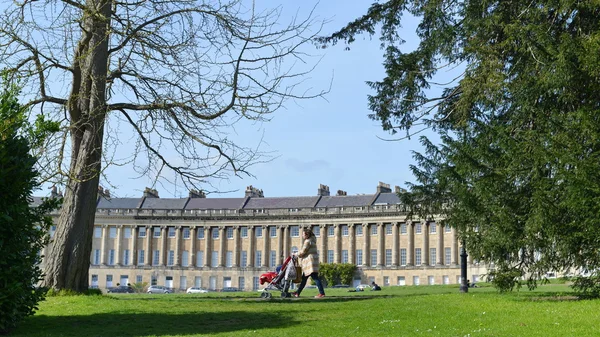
{"x": 289, "y": 273}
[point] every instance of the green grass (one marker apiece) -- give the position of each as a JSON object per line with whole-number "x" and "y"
{"x": 550, "y": 310}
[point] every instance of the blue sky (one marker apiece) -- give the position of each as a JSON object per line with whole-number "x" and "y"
{"x": 327, "y": 141}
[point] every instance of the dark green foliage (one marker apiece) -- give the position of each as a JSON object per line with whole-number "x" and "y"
{"x": 22, "y": 228}
{"x": 517, "y": 167}
{"x": 337, "y": 273}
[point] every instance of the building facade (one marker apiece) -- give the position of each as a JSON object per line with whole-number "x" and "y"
{"x": 229, "y": 242}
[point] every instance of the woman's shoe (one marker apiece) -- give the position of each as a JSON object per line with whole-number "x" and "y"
{"x": 295, "y": 295}
{"x": 320, "y": 296}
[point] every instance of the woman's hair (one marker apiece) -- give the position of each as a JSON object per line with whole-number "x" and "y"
{"x": 308, "y": 232}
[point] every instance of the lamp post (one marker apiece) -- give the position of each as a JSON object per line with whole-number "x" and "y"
{"x": 464, "y": 287}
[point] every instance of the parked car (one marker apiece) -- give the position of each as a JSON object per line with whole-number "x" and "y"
{"x": 159, "y": 290}
{"x": 362, "y": 287}
{"x": 121, "y": 289}
{"x": 229, "y": 289}
{"x": 196, "y": 290}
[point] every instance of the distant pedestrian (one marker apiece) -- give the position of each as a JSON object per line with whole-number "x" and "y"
{"x": 375, "y": 286}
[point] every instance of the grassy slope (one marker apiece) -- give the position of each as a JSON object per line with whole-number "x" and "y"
{"x": 395, "y": 311}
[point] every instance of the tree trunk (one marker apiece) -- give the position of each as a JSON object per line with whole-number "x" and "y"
{"x": 68, "y": 263}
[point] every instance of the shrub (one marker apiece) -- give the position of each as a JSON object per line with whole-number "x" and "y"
{"x": 22, "y": 228}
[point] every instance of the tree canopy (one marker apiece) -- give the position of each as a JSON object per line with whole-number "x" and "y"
{"x": 516, "y": 170}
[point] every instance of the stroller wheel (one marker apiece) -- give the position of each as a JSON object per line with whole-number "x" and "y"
{"x": 285, "y": 294}
{"x": 263, "y": 294}
{"x": 269, "y": 295}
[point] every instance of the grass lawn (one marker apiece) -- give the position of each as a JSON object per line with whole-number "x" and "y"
{"x": 550, "y": 310}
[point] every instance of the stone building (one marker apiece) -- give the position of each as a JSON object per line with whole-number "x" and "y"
{"x": 229, "y": 242}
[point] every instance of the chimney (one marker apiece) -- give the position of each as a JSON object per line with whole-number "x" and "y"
{"x": 54, "y": 194}
{"x": 150, "y": 193}
{"x": 323, "y": 190}
{"x": 341, "y": 193}
{"x": 398, "y": 190}
{"x": 254, "y": 192}
{"x": 383, "y": 188}
{"x": 197, "y": 194}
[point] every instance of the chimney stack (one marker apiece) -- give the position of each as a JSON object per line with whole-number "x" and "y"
{"x": 323, "y": 190}
{"x": 197, "y": 194}
{"x": 383, "y": 188}
{"x": 398, "y": 190}
{"x": 254, "y": 192}
{"x": 150, "y": 193}
{"x": 341, "y": 193}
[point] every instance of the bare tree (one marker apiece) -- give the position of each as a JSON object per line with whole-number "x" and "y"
{"x": 173, "y": 76}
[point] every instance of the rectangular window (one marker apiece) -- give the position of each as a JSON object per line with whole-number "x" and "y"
{"x": 200, "y": 258}
{"x": 127, "y": 232}
{"x": 388, "y": 257}
{"x": 109, "y": 281}
{"x": 244, "y": 232}
{"x": 432, "y": 228}
{"x": 153, "y": 280}
{"x": 156, "y": 257}
{"x": 258, "y": 258}
{"x": 403, "y": 229}
{"x": 229, "y": 232}
{"x": 273, "y": 259}
{"x": 214, "y": 259}
{"x": 401, "y": 281}
{"x": 215, "y": 233}
{"x": 373, "y": 229}
{"x": 186, "y": 232}
{"x": 432, "y": 256}
{"x": 96, "y": 256}
{"x": 416, "y": 280}
{"x": 112, "y": 232}
{"x": 417, "y": 256}
{"x": 255, "y": 283}
{"x": 229, "y": 259}
{"x": 344, "y": 256}
{"x": 388, "y": 229}
{"x": 171, "y": 260}
{"x": 142, "y": 232}
{"x": 330, "y": 256}
{"x": 386, "y": 281}
{"x": 373, "y": 257}
{"x": 200, "y": 234}
{"x": 185, "y": 258}
{"x": 259, "y": 233}
{"x": 418, "y": 228}
{"x": 141, "y": 257}
{"x": 359, "y": 230}
{"x": 126, "y": 257}
{"x": 182, "y": 282}
{"x": 403, "y": 256}
{"x": 198, "y": 281}
{"x": 447, "y": 253}
{"x": 294, "y": 231}
{"x": 359, "y": 257}
{"x": 156, "y": 231}
{"x": 97, "y": 232}
{"x": 345, "y": 230}
{"x": 138, "y": 279}
{"x": 316, "y": 230}
{"x": 241, "y": 283}
{"x": 244, "y": 259}
{"x": 430, "y": 280}
{"x": 111, "y": 257}
{"x": 446, "y": 279}
{"x": 273, "y": 231}
{"x": 447, "y": 229}
{"x": 330, "y": 231}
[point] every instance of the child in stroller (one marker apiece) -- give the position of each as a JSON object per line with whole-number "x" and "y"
{"x": 282, "y": 279}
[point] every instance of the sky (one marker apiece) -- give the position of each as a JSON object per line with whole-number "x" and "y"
{"x": 328, "y": 140}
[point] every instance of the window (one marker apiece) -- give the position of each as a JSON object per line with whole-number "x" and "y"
{"x": 200, "y": 234}
{"x": 153, "y": 280}
{"x": 182, "y": 282}
{"x": 127, "y": 232}
{"x": 317, "y": 231}
{"x": 138, "y": 279}
{"x": 386, "y": 281}
{"x": 171, "y": 260}
{"x": 273, "y": 231}
{"x": 141, "y": 257}
{"x": 416, "y": 280}
{"x": 447, "y": 253}
{"x": 200, "y": 258}
{"x": 273, "y": 259}
{"x": 359, "y": 230}
{"x": 244, "y": 232}
{"x": 156, "y": 257}
{"x": 330, "y": 231}
{"x": 215, "y": 233}
{"x": 109, "y": 281}
{"x": 418, "y": 256}
{"x": 403, "y": 229}
{"x": 373, "y": 257}
{"x": 198, "y": 281}
{"x": 418, "y": 228}
{"x": 214, "y": 258}
{"x": 156, "y": 232}
{"x": 111, "y": 257}
{"x": 401, "y": 281}
{"x": 344, "y": 256}
{"x": 445, "y": 279}
{"x": 94, "y": 281}
{"x": 241, "y": 283}
{"x": 229, "y": 232}
{"x": 447, "y": 228}
{"x": 185, "y": 258}
{"x": 142, "y": 232}
{"x": 258, "y": 232}
{"x": 388, "y": 229}
{"x": 330, "y": 256}
{"x": 403, "y": 256}
{"x": 186, "y": 232}
{"x": 126, "y": 257}
{"x": 96, "y": 256}
{"x": 255, "y": 283}
{"x": 359, "y": 257}
{"x": 258, "y": 258}
{"x": 344, "y": 230}
{"x": 388, "y": 257}
{"x": 244, "y": 259}
{"x": 295, "y": 250}
{"x": 229, "y": 259}
{"x": 432, "y": 228}
{"x": 112, "y": 232}
{"x": 97, "y": 232}
{"x": 432, "y": 256}
{"x": 52, "y": 231}
{"x": 294, "y": 231}
{"x": 373, "y": 229}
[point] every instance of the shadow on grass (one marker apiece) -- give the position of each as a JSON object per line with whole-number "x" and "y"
{"x": 144, "y": 324}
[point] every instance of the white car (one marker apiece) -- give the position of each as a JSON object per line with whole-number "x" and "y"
{"x": 159, "y": 290}
{"x": 196, "y": 290}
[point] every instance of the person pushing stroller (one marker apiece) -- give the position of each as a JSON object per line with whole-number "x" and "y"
{"x": 309, "y": 260}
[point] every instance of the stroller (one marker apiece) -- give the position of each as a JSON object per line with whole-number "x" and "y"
{"x": 289, "y": 273}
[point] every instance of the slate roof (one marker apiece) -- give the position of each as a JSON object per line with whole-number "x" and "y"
{"x": 281, "y": 202}
{"x": 346, "y": 200}
{"x": 119, "y": 203}
{"x": 164, "y": 203}
{"x": 387, "y": 198}
{"x": 215, "y": 203}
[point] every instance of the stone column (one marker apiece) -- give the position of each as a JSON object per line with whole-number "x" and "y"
{"x": 426, "y": 256}
{"x": 207, "y": 246}
{"x": 323, "y": 248}
{"x": 251, "y": 246}
{"x": 366, "y": 245}
{"x": 236, "y": 247}
{"x": 352, "y": 243}
{"x": 163, "y": 246}
{"x": 149, "y": 234}
{"x": 337, "y": 245}
{"x": 440, "y": 246}
{"x": 193, "y": 238}
{"x": 286, "y": 242}
{"x": 266, "y": 252}
{"x": 105, "y": 235}
{"x": 395, "y": 244}
{"x": 279, "y": 253}
{"x": 177, "y": 260}
{"x": 454, "y": 248}
{"x": 381, "y": 245}
{"x": 118, "y": 245}
{"x": 222, "y": 248}
{"x": 410, "y": 249}
{"x": 134, "y": 237}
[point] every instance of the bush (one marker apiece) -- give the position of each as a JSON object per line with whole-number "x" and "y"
{"x": 22, "y": 228}
{"x": 337, "y": 273}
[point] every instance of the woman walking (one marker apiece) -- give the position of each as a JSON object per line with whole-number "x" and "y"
{"x": 310, "y": 262}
